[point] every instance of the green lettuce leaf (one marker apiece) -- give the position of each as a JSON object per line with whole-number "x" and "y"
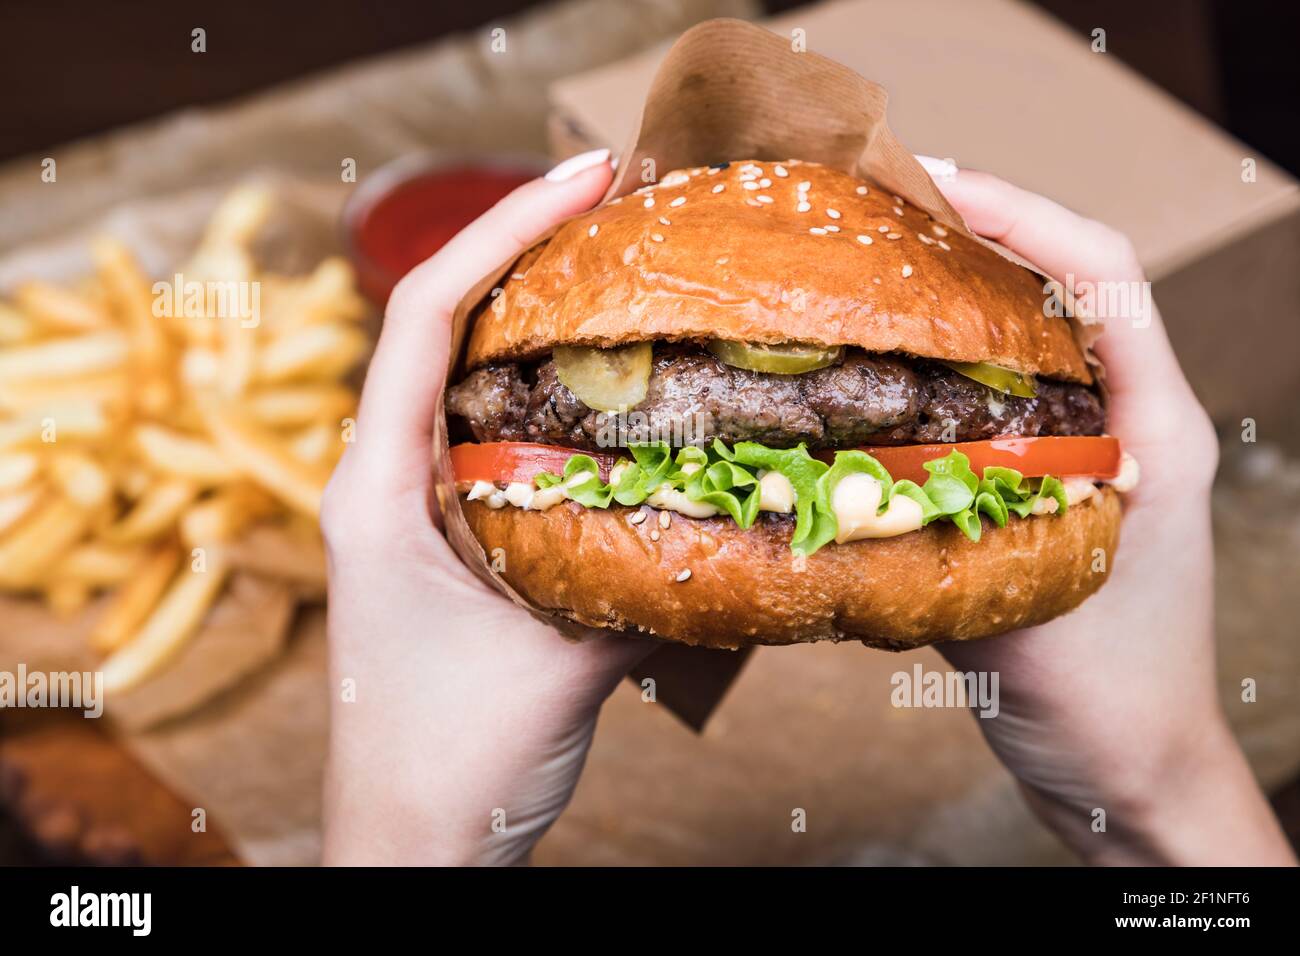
{"x": 728, "y": 480}
{"x": 910, "y": 489}
{"x": 815, "y": 523}
{"x": 1048, "y": 487}
{"x": 590, "y": 493}
{"x": 727, "y": 487}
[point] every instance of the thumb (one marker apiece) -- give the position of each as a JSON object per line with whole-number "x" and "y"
{"x": 407, "y": 374}
{"x": 1152, "y": 405}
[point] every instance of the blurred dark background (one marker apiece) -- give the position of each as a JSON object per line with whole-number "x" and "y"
{"x": 69, "y": 69}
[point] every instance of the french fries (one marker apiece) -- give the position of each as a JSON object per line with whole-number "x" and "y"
{"x": 222, "y": 517}
{"x": 262, "y": 455}
{"x": 47, "y": 424}
{"x": 183, "y": 456}
{"x": 39, "y": 540}
{"x": 168, "y": 627}
{"x": 58, "y": 358}
{"x": 98, "y": 564}
{"x": 17, "y": 468}
{"x": 321, "y": 351}
{"x": 131, "y": 604}
{"x": 83, "y": 480}
{"x": 106, "y": 390}
{"x": 61, "y": 308}
{"x": 155, "y": 512}
{"x": 293, "y": 405}
{"x": 17, "y": 505}
{"x": 150, "y": 447}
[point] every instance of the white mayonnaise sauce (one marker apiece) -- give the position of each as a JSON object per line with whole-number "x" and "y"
{"x": 855, "y": 501}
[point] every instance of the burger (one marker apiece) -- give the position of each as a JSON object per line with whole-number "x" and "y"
{"x": 769, "y": 403}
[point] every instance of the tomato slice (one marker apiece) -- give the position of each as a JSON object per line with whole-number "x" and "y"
{"x": 505, "y": 461}
{"x": 1061, "y": 456}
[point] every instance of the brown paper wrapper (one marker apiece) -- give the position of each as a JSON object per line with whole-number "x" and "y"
{"x": 727, "y": 90}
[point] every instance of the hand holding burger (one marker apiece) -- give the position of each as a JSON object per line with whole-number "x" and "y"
{"x": 458, "y": 723}
{"x": 1114, "y": 706}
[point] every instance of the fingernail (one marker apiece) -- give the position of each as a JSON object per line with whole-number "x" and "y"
{"x": 944, "y": 170}
{"x": 576, "y": 164}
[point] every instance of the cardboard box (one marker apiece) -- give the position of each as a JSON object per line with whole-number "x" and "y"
{"x": 997, "y": 85}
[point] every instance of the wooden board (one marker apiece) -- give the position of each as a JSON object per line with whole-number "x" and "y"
{"x": 69, "y": 794}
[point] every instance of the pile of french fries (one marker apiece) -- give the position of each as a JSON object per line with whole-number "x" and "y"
{"x": 143, "y": 435}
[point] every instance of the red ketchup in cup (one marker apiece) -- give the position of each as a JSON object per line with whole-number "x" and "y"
{"x": 409, "y": 209}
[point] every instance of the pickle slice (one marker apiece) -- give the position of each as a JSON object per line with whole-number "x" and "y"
{"x": 997, "y": 377}
{"x": 607, "y": 380}
{"x": 790, "y": 358}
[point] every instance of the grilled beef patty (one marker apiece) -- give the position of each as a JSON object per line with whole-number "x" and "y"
{"x": 693, "y": 398}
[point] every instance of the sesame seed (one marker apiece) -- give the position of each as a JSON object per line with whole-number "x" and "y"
{"x": 714, "y": 170}
{"x": 765, "y": 182}
{"x": 517, "y": 275}
{"x": 751, "y": 185}
{"x": 865, "y": 240}
{"x": 894, "y": 235}
{"x": 764, "y": 198}
{"x": 883, "y": 229}
{"x": 829, "y": 228}
{"x": 938, "y": 230}
{"x": 803, "y": 206}
{"x": 897, "y": 211}
{"x": 862, "y": 190}
{"x": 944, "y": 246}
{"x": 722, "y": 260}
{"x": 924, "y": 238}
{"x": 637, "y": 518}
{"x": 665, "y": 519}
{"x": 817, "y": 231}
{"x": 650, "y": 203}
{"x": 833, "y": 213}
{"x": 898, "y": 200}
{"x": 907, "y": 271}
{"x": 679, "y": 201}
{"x": 720, "y": 187}
{"x": 664, "y": 221}
{"x": 876, "y": 280}
{"x": 616, "y": 200}
{"x": 781, "y": 172}
{"x": 804, "y": 186}
{"x": 656, "y": 237}
{"x": 497, "y": 291}
{"x": 593, "y": 230}
{"x": 654, "y": 535}
{"x": 683, "y": 575}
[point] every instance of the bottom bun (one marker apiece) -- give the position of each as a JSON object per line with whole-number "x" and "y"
{"x": 746, "y": 586}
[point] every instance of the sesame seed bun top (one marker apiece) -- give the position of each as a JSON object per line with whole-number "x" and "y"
{"x": 769, "y": 252}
